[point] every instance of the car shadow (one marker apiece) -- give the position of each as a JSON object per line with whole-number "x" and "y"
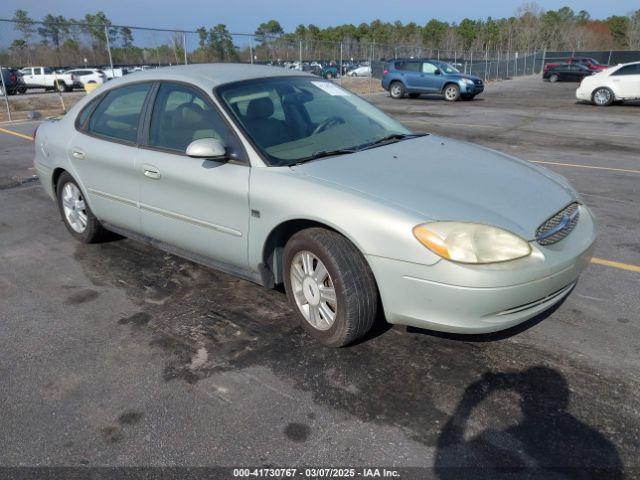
{"x": 548, "y": 442}
{"x": 440, "y": 98}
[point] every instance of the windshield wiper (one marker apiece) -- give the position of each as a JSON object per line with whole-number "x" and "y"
{"x": 323, "y": 154}
{"x": 394, "y": 137}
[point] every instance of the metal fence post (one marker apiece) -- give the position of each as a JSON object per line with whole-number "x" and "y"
{"x": 544, "y": 57}
{"x": 370, "y": 67}
{"x": 300, "y": 53}
{"x": 498, "y": 66}
{"x": 486, "y": 63}
{"x": 610, "y": 53}
{"x": 471, "y": 62}
{"x": 106, "y": 36}
{"x": 251, "y": 49}
{"x": 341, "y": 70}
{"x": 524, "y": 70}
{"x": 184, "y": 46}
{"x": 5, "y": 94}
{"x": 533, "y": 69}
{"x": 515, "y": 65}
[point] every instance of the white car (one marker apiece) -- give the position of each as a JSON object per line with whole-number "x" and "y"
{"x": 618, "y": 83}
{"x": 363, "y": 71}
{"x": 47, "y": 78}
{"x": 88, "y": 75}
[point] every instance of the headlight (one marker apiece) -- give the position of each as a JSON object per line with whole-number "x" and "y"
{"x": 471, "y": 242}
{"x": 467, "y": 81}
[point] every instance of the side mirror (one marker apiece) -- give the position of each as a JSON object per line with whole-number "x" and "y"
{"x": 438, "y": 72}
{"x": 207, "y": 148}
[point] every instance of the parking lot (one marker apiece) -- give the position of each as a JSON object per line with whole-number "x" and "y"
{"x": 119, "y": 354}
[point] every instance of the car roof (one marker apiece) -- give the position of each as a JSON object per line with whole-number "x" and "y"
{"x": 208, "y": 75}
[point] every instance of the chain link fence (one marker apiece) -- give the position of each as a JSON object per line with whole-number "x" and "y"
{"x": 116, "y": 50}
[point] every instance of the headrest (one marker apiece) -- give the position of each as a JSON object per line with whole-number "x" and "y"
{"x": 260, "y": 108}
{"x": 188, "y": 114}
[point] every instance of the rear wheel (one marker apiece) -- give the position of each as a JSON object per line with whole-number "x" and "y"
{"x": 396, "y": 90}
{"x": 603, "y": 97}
{"x": 554, "y": 78}
{"x": 60, "y": 87}
{"x": 330, "y": 286}
{"x": 75, "y": 212}
{"x": 451, "y": 92}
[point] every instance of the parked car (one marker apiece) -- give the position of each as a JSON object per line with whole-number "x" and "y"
{"x": 591, "y": 63}
{"x": 12, "y": 81}
{"x": 361, "y": 71}
{"x": 415, "y": 77}
{"x": 567, "y": 73}
{"x": 47, "y": 78}
{"x": 329, "y": 71}
{"x": 612, "y": 85}
{"x": 283, "y": 178}
{"x": 85, "y": 76}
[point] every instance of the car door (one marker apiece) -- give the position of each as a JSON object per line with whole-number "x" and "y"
{"x": 104, "y": 153}
{"x": 626, "y": 81}
{"x": 410, "y": 73}
{"x": 195, "y": 204}
{"x": 432, "y": 79}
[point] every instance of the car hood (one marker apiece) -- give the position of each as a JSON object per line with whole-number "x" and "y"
{"x": 443, "y": 179}
{"x": 464, "y": 75}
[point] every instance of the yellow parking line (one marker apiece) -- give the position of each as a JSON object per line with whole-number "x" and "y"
{"x": 586, "y": 166}
{"x": 620, "y": 265}
{"x": 17, "y": 134}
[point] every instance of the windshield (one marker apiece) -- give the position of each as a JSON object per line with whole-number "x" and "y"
{"x": 446, "y": 68}
{"x": 291, "y": 119}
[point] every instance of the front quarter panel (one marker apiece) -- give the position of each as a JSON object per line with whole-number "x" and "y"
{"x": 280, "y": 194}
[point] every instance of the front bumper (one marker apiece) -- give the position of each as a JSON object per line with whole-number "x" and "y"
{"x": 474, "y": 89}
{"x": 459, "y": 298}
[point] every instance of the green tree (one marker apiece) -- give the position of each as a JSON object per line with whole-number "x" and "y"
{"x": 272, "y": 28}
{"x": 467, "y": 31}
{"x": 53, "y": 30}
{"x": 434, "y": 32}
{"x": 24, "y": 24}
{"x": 126, "y": 37}
{"x": 221, "y": 44}
{"x": 619, "y": 26}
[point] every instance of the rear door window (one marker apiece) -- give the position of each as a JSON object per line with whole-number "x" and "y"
{"x": 118, "y": 114}
{"x": 628, "y": 70}
{"x": 429, "y": 68}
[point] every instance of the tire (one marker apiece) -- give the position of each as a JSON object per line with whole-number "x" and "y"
{"x": 60, "y": 87}
{"x": 451, "y": 92}
{"x": 554, "y": 78}
{"x": 329, "y": 76}
{"x": 348, "y": 276}
{"x": 92, "y": 231}
{"x": 414, "y": 95}
{"x": 603, "y": 97}
{"x": 396, "y": 90}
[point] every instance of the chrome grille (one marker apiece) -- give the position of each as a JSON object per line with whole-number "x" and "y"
{"x": 559, "y": 226}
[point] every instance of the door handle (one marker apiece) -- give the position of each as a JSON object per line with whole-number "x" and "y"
{"x": 151, "y": 172}
{"x": 77, "y": 153}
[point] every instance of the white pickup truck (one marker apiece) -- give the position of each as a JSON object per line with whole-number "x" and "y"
{"x": 47, "y": 78}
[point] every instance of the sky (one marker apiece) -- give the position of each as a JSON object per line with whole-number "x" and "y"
{"x": 243, "y": 16}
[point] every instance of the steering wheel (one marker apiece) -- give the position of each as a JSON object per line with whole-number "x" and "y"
{"x": 328, "y": 123}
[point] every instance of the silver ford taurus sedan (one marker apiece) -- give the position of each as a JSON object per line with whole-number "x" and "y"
{"x": 281, "y": 177}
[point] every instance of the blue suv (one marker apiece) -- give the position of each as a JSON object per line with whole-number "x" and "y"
{"x": 415, "y": 77}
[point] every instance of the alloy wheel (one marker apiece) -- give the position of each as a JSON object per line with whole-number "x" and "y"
{"x": 313, "y": 290}
{"x": 451, "y": 93}
{"x": 602, "y": 96}
{"x": 74, "y": 208}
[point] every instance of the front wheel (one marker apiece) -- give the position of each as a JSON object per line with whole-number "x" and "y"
{"x": 330, "y": 286}
{"x": 554, "y": 78}
{"x": 451, "y": 92}
{"x": 396, "y": 90}
{"x": 603, "y": 97}
{"x": 75, "y": 211}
